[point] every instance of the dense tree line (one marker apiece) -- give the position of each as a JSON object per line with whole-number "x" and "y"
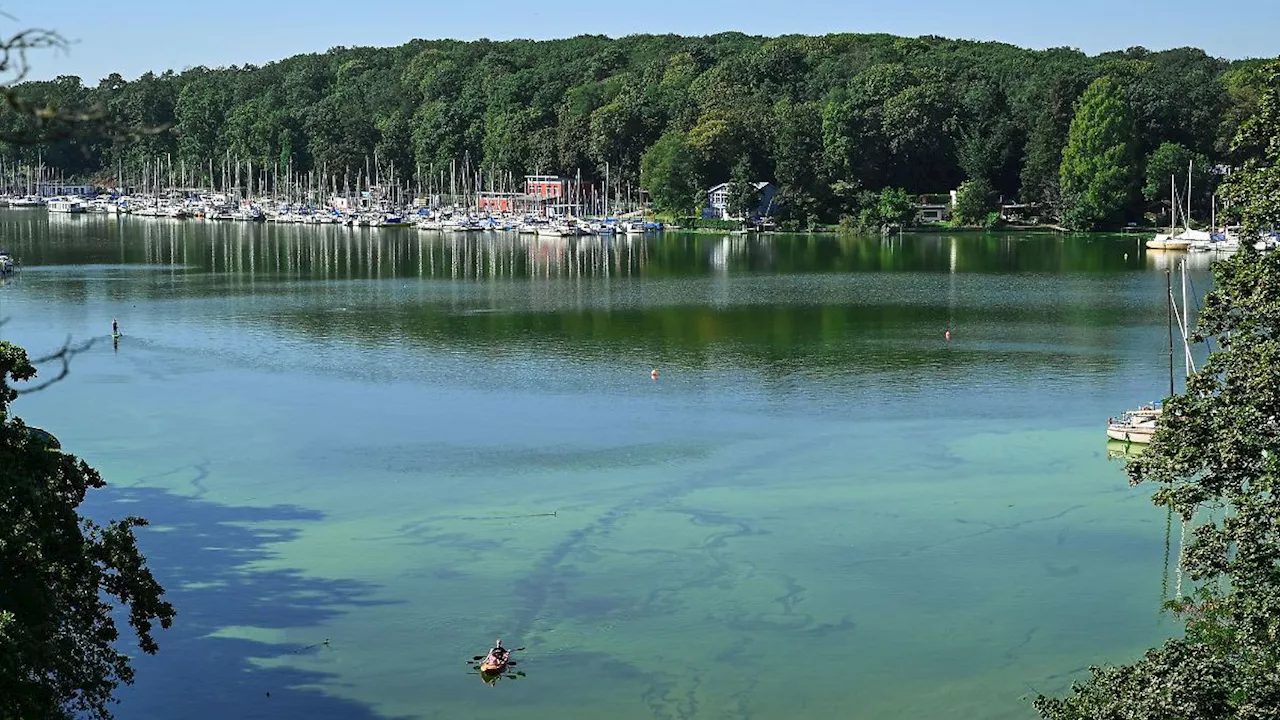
{"x": 833, "y": 120}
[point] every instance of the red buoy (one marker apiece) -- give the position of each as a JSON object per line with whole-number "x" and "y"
{"x": 948, "y": 334}
{"x": 653, "y": 374}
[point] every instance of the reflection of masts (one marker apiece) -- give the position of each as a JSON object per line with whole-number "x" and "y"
{"x": 1164, "y": 575}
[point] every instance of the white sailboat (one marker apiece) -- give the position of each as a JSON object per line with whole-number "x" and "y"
{"x": 1139, "y": 425}
{"x": 1178, "y": 239}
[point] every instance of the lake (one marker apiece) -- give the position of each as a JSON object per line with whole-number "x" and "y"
{"x": 367, "y": 453}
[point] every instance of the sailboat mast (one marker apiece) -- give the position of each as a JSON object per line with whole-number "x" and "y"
{"x": 1187, "y": 217}
{"x": 1186, "y": 322}
{"x": 1168, "y": 281}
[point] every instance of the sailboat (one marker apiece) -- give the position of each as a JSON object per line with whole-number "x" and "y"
{"x": 1139, "y": 425}
{"x": 1175, "y": 239}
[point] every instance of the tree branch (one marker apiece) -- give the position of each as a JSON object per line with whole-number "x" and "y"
{"x": 52, "y": 123}
{"x": 64, "y": 356}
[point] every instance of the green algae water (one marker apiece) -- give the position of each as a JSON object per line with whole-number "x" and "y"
{"x": 367, "y": 453}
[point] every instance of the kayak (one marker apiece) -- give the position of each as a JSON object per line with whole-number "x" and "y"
{"x": 492, "y": 663}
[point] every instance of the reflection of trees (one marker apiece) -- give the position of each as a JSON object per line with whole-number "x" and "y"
{"x": 338, "y": 253}
{"x": 855, "y": 308}
{"x": 839, "y": 337}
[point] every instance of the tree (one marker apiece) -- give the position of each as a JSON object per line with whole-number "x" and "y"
{"x": 1168, "y": 164}
{"x": 667, "y": 173}
{"x": 895, "y": 207}
{"x": 1097, "y": 171}
{"x": 1049, "y": 121}
{"x": 989, "y": 141}
{"x": 62, "y": 574}
{"x": 797, "y": 160}
{"x": 919, "y": 124}
{"x": 973, "y": 203}
{"x": 1218, "y": 445}
{"x": 1254, "y": 190}
{"x": 742, "y": 197}
{"x": 817, "y": 113}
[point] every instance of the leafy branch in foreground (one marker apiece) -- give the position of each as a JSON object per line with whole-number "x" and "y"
{"x": 46, "y": 122}
{"x": 1218, "y": 446}
{"x": 62, "y": 356}
{"x": 62, "y": 573}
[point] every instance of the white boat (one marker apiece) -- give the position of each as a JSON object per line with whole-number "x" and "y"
{"x": 1138, "y": 426}
{"x": 28, "y": 201}
{"x": 1177, "y": 239}
{"x": 1135, "y": 426}
{"x": 65, "y": 205}
{"x": 558, "y": 229}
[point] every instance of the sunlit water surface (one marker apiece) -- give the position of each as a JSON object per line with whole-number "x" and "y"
{"x": 406, "y": 444}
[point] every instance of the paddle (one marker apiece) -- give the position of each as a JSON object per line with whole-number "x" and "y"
{"x": 481, "y": 657}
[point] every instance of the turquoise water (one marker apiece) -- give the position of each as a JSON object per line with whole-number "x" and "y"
{"x": 408, "y": 444}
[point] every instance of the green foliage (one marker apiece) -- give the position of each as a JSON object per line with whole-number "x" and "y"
{"x": 1243, "y": 85}
{"x": 62, "y": 573}
{"x": 891, "y": 207}
{"x": 974, "y": 202}
{"x": 742, "y": 198}
{"x": 1254, "y": 190}
{"x": 1097, "y": 171}
{"x": 989, "y": 141}
{"x": 1216, "y": 446}
{"x": 712, "y": 224}
{"x": 896, "y": 207}
{"x": 822, "y": 117}
{"x": 667, "y": 173}
{"x": 803, "y": 196}
{"x": 1049, "y": 124}
{"x": 1168, "y": 164}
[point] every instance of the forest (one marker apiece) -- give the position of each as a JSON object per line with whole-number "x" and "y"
{"x": 837, "y": 122}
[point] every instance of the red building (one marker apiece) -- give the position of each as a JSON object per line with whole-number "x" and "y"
{"x": 546, "y": 187}
{"x": 494, "y": 202}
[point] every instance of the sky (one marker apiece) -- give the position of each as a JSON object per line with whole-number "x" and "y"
{"x": 137, "y": 36}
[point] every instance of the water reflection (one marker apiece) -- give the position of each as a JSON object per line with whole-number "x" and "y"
{"x": 1121, "y": 450}
{"x": 1173, "y": 260}
{"x": 339, "y": 253}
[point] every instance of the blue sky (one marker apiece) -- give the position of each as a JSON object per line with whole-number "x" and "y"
{"x": 135, "y": 36}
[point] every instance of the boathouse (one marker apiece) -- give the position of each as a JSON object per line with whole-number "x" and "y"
{"x": 64, "y": 189}
{"x": 934, "y": 208}
{"x": 501, "y": 202}
{"x": 546, "y": 187}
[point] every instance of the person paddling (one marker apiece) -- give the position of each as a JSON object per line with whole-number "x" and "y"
{"x": 115, "y": 327}
{"x": 498, "y": 653}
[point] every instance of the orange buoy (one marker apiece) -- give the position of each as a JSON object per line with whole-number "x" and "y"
{"x": 653, "y": 374}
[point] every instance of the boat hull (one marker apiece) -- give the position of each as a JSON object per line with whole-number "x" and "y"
{"x": 1126, "y": 433}
{"x": 1168, "y": 244}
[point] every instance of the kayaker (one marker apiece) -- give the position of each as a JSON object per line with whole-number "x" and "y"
{"x": 498, "y": 652}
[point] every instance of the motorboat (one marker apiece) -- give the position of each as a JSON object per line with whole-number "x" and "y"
{"x": 66, "y": 205}
{"x": 1135, "y": 426}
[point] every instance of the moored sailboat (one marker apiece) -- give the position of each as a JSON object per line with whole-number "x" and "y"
{"x": 1177, "y": 239}
{"x": 1139, "y": 425}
